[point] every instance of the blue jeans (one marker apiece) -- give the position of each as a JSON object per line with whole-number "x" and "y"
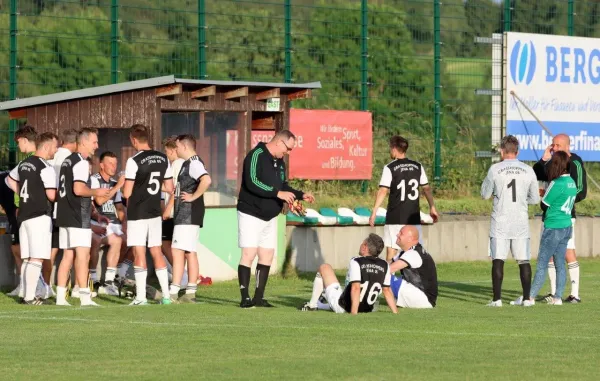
{"x": 552, "y": 245}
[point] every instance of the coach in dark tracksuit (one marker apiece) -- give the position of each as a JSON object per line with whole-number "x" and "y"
{"x": 262, "y": 195}
{"x": 562, "y": 142}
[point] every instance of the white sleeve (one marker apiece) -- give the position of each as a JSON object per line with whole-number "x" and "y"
{"x": 197, "y": 169}
{"x": 94, "y": 183}
{"x": 386, "y": 177}
{"x": 387, "y": 280}
{"x": 423, "y": 180}
{"x": 412, "y": 258}
{"x": 118, "y": 197}
{"x": 169, "y": 172}
{"x": 14, "y": 174}
{"x": 353, "y": 272}
{"x": 48, "y": 177}
{"x": 131, "y": 169}
{"x": 81, "y": 171}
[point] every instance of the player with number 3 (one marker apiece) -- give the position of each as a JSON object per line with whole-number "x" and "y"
{"x": 146, "y": 173}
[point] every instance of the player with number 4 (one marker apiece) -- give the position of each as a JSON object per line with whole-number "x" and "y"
{"x": 402, "y": 178}
{"x": 146, "y": 173}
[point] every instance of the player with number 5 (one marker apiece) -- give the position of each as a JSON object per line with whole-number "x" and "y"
{"x": 146, "y": 173}
{"x": 402, "y": 178}
{"x": 557, "y": 204}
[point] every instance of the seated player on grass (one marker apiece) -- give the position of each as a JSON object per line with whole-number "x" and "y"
{"x": 366, "y": 278}
{"x": 418, "y": 287}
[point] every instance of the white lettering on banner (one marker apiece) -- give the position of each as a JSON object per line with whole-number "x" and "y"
{"x": 581, "y": 142}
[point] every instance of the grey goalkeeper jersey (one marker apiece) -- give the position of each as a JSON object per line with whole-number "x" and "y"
{"x": 513, "y": 185}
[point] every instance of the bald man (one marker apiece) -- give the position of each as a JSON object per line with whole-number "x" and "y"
{"x": 561, "y": 142}
{"x": 418, "y": 286}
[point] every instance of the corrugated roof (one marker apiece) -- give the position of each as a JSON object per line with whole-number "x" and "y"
{"x": 141, "y": 84}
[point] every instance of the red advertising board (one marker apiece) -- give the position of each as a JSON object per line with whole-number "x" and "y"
{"x": 330, "y": 145}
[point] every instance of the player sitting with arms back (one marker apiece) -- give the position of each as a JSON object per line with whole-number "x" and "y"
{"x": 367, "y": 276}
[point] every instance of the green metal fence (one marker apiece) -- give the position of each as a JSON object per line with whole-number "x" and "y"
{"x": 413, "y": 63}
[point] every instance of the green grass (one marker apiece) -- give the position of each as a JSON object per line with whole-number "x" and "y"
{"x": 461, "y": 339}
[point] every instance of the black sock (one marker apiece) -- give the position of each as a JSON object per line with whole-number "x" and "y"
{"x": 244, "y": 279}
{"x": 497, "y": 276}
{"x": 262, "y": 275}
{"x": 525, "y": 270}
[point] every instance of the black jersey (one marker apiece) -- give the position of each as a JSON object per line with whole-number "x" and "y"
{"x": 421, "y": 271}
{"x": 373, "y": 274}
{"x": 34, "y": 176}
{"x": 73, "y": 211}
{"x": 189, "y": 213}
{"x": 147, "y": 170}
{"x": 107, "y": 209}
{"x": 403, "y": 177}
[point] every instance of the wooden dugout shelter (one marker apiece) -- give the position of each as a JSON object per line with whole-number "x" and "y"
{"x": 170, "y": 106}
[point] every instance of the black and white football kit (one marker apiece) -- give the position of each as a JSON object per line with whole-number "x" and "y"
{"x": 34, "y": 176}
{"x": 168, "y": 224}
{"x": 372, "y": 273}
{"x": 73, "y": 213}
{"x": 188, "y": 216}
{"x": 418, "y": 287}
{"x": 108, "y": 209}
{"x": 402, "y": 177}
{"x": 147, "y": 169}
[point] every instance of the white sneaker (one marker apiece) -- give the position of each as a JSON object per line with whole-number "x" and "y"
{"x": 517, "y": 302}
{"x": 497, "y": 303}
{"x": 110, "y": 289}
{"x": 529, "y": 303}
{"x": 137, "y": 302}
{"x": 555, "y": 302}
{"x": 15, "y": 292}
{"x": 91, "y": 303}
{"x": 40, "y": 289}
{"x": 63, "y": 303}
{"x": 75, "y": 293}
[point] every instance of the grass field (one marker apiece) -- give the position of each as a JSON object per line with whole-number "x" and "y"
{"x": 461, "y": 339}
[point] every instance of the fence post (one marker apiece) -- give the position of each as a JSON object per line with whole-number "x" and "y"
{"x": 507, "y": 15}
{"x": 364, "y": 63}
{"x": 288, "y": 40}
{"x": 437, "y": 113}
{"x": 570, "y": 17}
{"x": 114, "y": 41}
{"x": 201, "y": 40}
{"x": 12, "y": 126}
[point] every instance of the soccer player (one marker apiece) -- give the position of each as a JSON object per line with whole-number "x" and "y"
{"x": 170, "y": 146}
{"x": 36, "y": 188}
{"x": 514, "y": 186}
{"x": 262, "y": 194}
{"x": 561, "y": 142}
{"x": 145, "y": 172}
{"x": 25, "y": 137}
{"x": 402, "y": 178}
{"x": 192, "y": 182}
{"x": 112, "y": 208}
{"x": 74, "y": 216}
{"x": 418, "y": 286}
{"x": 367, "y": 276}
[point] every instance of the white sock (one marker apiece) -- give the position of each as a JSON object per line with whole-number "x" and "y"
{"x": 110, "y": 274}
{"x": 552, "y": 276}
{"x": 191, "y": 288}
{"x": 317, "y": 291}
{"x": 61, "y": 294}
{"x": 174, "y": 290}
{"x": 85, "y": 296}
{"x": 123, "y": 268}
{"x": 22, "y": 279}
{"x": 93, "y": 275}
{"x": 32, "y": 274}
{"x": 163, "y": 279}
{"x": 574, "y": 275}
{"x": 140, "y": 282}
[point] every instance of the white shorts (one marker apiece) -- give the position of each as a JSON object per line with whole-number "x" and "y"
{"x": 571, "y": 243}
{"x": 111, "y": 228}
{"x": 390, "y": 234}
{"x": 70, "y": 238}
{"x": 332, "y": 294}
{"x": 146, "y": 233}
{"x": 411, "y": 297}
{"x": 36, "y": 238}
{"x": 185, "y": 237}
{"x": 519, "y": 247}
{"x": 254, "y": 232}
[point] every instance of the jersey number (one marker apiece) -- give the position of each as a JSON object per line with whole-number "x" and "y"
{"x": 62, "y": 191}
{"x": 513, "y": 185}
{"x": 24, "y": 195}
{"x": 373, "y": 292}
{"x": 154, "y": 184}
{"x": 414, "y": 185}
{"x": 108, "y": 207}
{"x": 568, "y": 205}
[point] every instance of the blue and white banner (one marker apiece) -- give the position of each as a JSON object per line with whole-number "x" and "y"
{"x": 558, "y": 78}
